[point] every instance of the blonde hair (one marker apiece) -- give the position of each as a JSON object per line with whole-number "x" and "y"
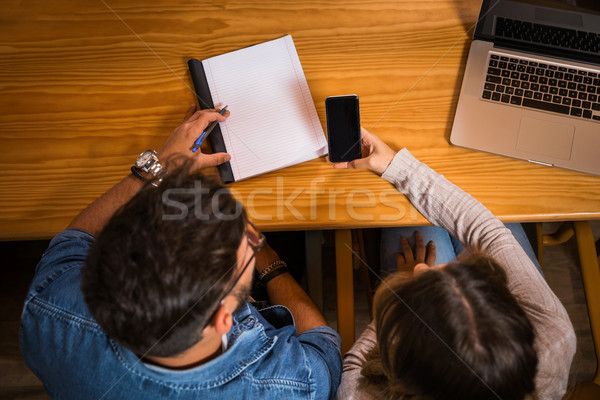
{"x": 452, "y": 332}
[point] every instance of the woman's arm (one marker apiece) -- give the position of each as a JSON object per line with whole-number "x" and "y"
{"x": 446, "y": 205}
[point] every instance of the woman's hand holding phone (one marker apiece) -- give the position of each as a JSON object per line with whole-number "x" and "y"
{"x": 377, "y": 155}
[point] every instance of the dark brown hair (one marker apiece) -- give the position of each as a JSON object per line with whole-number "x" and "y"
{"x": 451, "y": 333}
{"x": 163, "y": 259}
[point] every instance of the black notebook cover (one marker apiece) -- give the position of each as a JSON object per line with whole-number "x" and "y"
{"x": 205, "y": 101}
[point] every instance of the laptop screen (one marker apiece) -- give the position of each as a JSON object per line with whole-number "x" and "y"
{"x": 561, "y": 28}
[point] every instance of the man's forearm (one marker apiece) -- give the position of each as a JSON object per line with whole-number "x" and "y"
{"x": 285, "y": 291}
{"x": 172, "y": 154}
{"x": 93, "y": 218}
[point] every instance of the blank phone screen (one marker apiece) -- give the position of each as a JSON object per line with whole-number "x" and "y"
{"x": 343, "y": 128}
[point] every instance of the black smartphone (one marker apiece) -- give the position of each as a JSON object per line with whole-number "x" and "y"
{"x": 343, "y": 128}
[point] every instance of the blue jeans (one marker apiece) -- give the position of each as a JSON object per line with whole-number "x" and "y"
{"x": 446, "y": 246}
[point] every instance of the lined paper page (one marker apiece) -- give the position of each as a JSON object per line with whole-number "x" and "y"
{"x": 273, "y": 122}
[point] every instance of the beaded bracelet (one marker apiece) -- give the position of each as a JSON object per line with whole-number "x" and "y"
{"x": 274, "y": 274}
{"x": 271, "y": 267}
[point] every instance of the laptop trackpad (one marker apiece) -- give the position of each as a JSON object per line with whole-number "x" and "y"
{"x": 546, "y": 138}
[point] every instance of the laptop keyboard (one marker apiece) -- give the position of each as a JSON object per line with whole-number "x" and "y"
{"x": 543, "y": 86}
{"x": 547, "y": 35}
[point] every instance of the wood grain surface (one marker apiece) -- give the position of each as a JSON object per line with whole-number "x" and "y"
{"x": 86, "y": 86}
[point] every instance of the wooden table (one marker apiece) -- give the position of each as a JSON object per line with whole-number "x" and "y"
{"x": 86, "y": 86}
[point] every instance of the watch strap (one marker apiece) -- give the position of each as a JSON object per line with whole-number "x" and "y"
{"x": 137, "y": 174}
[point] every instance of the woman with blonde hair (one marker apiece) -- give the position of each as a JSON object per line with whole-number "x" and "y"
{"x": 483, "y": 325}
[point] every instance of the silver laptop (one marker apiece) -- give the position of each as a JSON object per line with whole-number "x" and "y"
{"x": 531, "y": 88}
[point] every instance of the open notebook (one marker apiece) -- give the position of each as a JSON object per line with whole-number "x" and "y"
{"x": 273, "y": 122}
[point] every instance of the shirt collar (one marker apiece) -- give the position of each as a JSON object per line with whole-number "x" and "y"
{"x": 247, "y": 343}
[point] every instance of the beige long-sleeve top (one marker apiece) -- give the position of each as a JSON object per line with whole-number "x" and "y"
{"x": 446, "y": 205}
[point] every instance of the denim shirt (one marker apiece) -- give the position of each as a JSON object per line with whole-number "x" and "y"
{"x": 66, "y": 348}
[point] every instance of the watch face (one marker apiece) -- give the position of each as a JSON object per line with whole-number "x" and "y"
{"x": 143, "y": 159}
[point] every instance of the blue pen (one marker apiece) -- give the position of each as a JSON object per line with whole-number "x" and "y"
{"x": 207, "y": 131}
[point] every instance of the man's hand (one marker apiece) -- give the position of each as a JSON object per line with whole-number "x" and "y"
{"x": 376, "y": 155}
{"x": 178, "y": 146}
{"x": 177, "y": 149}
{"x": 406, "y": 262}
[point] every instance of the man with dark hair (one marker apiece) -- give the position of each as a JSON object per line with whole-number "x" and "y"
{"x": 145, "y": 295}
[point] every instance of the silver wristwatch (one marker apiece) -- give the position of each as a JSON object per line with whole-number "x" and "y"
{"x": 148, "y": 162}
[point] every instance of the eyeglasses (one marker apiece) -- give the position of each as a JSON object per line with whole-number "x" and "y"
{"x": 256, "y": 241}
